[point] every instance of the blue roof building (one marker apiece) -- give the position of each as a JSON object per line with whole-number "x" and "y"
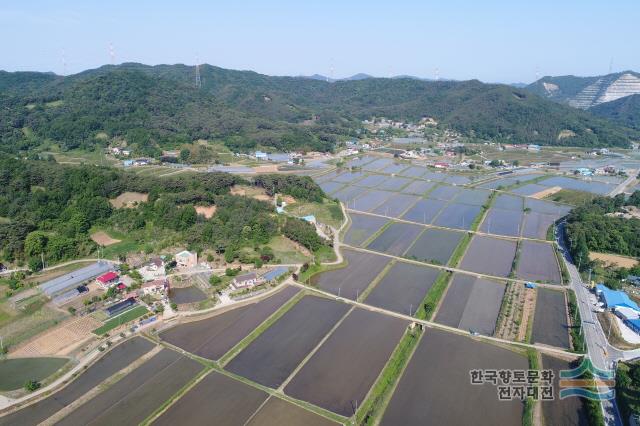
{"x": 612, "y": 298}
{"x": 311, "y": 218}
{"x": 275, "y": 273}
{"x": 261, "y": 155}
{"x": 633, "y": 324}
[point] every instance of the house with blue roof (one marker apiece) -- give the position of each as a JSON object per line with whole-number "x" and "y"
{"x": 275, "y": 273}
{"x": 613, "y": 299}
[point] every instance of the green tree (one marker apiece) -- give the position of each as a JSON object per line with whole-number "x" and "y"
{"x": 32, "y": 385}
{"x": 214, "y": 280}
{"x": 35, "y": 243}
{"x": 184, "y": 155}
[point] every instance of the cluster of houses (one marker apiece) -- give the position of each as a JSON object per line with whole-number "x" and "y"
{"x": 600, "y": 171}
{"x": 621, "y": 305}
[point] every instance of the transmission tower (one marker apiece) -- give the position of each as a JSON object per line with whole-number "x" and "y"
{"x": 112, "y": 54}
{"x": 64, "y": 63}
{"x": 198, "y": 80}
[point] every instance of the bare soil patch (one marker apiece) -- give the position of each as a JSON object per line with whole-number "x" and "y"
{"x": 614, "y": 259}
{"x": 206, "y": 211}
{"x": 60, "y": 340}
{"x": 103, "y": 239}
{"x": 129, "y": 199}
{"x": 546, "y": 192}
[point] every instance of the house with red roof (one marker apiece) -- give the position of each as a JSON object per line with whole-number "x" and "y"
{"x": 107, "y": 280}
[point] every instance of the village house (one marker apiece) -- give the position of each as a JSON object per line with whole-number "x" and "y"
{"x": 154, "y": 287}
{"x": 247, "y": 280}
{"x": 152, "y": 270}
{"x": 107, "y": 280}
{"x": 186, "y": 259}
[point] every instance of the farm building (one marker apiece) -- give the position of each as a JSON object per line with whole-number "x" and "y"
{"x": 186, "y": 259}
{"x": 75, "y": 278}
{"x": 160, "y": 286}
{"x": 614, "y": 299}
{"x": 633, "y": 324}
{"x": 247, "y": 280}
{"x": 119, "y": 307}
{"x": 107, "y": 280}
{"x": 630, "y": 316}
{"x": 274, "y": 274}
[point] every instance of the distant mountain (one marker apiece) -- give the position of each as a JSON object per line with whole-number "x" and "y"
{"x": 154, "y": 107}
{"x": 586, "y": 92}
{"x": 625, "y": 111}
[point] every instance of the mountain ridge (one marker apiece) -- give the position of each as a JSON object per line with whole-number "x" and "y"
{"x": 159, "y": 106}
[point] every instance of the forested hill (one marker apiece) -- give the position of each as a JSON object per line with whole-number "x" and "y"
{"x": 160, "y": 106}
{"x": 626, "y": 111}
{"x": 48, "y": 209}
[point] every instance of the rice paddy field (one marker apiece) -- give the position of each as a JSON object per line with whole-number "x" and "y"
{"x": 416, "y": 246}
{"x": 550, "y": 325}
{"x": 490, "y": 256}
{"x": 435, "y": 387}
{"x": 472, "y": 304}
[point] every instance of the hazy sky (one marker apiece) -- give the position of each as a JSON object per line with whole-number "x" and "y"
{"x": 505, "y": 41}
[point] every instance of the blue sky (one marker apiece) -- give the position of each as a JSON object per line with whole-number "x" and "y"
{"x": 494, "y": 41}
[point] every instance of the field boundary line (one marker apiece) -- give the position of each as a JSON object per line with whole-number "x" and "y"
{"x": 177, "y": 396}
{"x": 447, "y": 280}
{"x": 257, "y": 410}
{"x": 432, "y": 324}
{"x": 313, "y": 351}
{"x": 100, "y": 388}
{"x": 63, "y": 381}
{"x": 452, "y": 268}
{"x": 268, "y": 322}
{"x": 376, "y": 280}
{"x": 387, "y": 394}
{"x": 281, "y": 395}
{"x": 431, "y": 225}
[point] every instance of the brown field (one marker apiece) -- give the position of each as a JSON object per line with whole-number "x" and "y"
{"x": 250, "y": 191}
{"x": 547, "y": 192}
{"x": 60, "y": 340}
{"x": 103, "y": 239}
{"x": 288, "y": 199}
{"x": 272, "y": 168}
{"x": 206, "y": 211}
{"x": 614, "y": 259}
{"x": 129, "y": 199}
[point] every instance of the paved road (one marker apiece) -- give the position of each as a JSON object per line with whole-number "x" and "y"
{"x": 623, "y": 185}
{"x": 598, "y": 349}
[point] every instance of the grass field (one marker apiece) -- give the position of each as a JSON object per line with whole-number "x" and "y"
{"x": 26, "y": 319}
{"x": 570, "y": 196}
{"x": 15, "y": 372}
{"x": 328, "y": 212}
{"x": 285, "y": 250}
{"x": 127, "y": 316}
